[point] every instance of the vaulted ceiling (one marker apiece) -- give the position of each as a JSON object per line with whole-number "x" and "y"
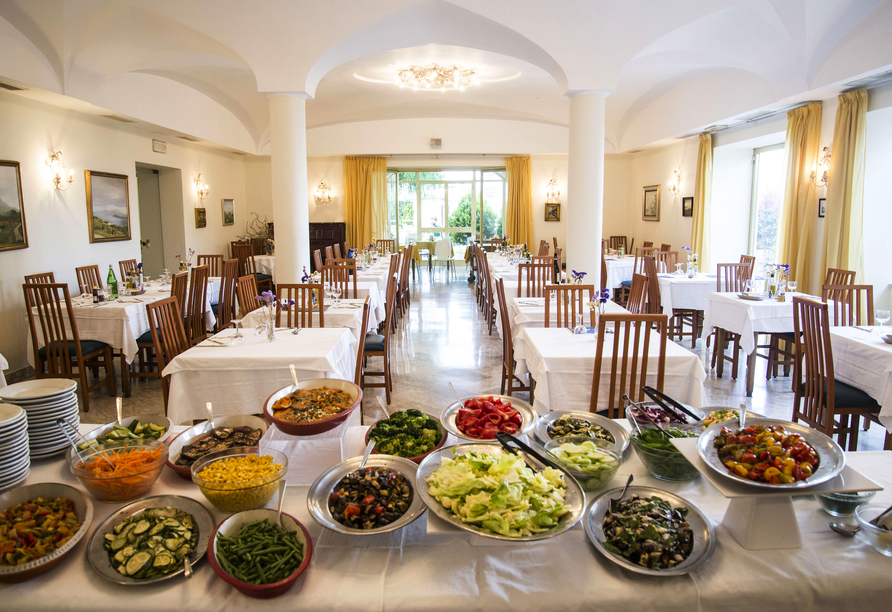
{"x": 672, "y": 67}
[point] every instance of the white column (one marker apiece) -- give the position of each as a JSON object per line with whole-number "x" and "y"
{"x": 288, "y": 156}
{"x": 585, "y": 185}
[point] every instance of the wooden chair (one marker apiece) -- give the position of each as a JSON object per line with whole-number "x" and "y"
{"x": 495, "y": 243}
{"x": 729, "y": 278}
{"x": 637, "y": 303}
{"x": 836, "y": 276}
{"x": 554, "y": 241}
{"x": 58, "y": 350}
{"x": 196, "y": 303}
{"x": 257, "y": 246}
{"x": 341, "y": 273}
{"x": 665, "y": 247}
{"x": 751, "y": 260}
{"x": 850, "y": 304}
{"x": 637, "y": 268}
{"x": 126, "y": 266}
{"x": 509, "y": 379}
{"x": 666, "y": 261}
{"x": 830, "y": 406}
{"x": 213, "y": 262}
{"x": 89, "y": 276}
{"x": 543, "y": 248}
{"x": 647, "y": 244}
{"x": 264, "y": 281}
{"x": 571, "y": 300}
{"x": 224, "y": 309}
{"x": 631, "y": 248}
{"x": 329, "y": 253}
{"x": 360, "y": 347}
{"x": 246, "y": 290}
{"x": 487, "y": 302}
{"x": 604, "y": 273}
{"x": 317, "y": 260}
{"x": 234, "y": 244}
{"x": 537, "y": 276}
{"x": 168, "y": 336}
{"x": 43, "y": 277}
{"x": 383, "y": 244}
{"x": 629, "y": 354}
{"x": 242, "y": 252}
{"x": 654, "y": 299}
{"x": 404, "y": 293}
{"x": 617, "y": 242}
{"x": 336, "y": 249}
{"x": 301, "y": 313}
{"x": 378, "y": 345}
{"x": 179, "y": 288}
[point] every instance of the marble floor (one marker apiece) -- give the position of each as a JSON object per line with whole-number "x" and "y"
{"x": 444, "y": 340}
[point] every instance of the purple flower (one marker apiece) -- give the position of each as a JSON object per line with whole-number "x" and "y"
{"x": 603, "y": 295}
{"x": 306, "y": 277}
{"x": 577, "y": 276}
{"x": 139, "y": 266}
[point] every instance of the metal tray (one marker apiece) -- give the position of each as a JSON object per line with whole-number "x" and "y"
{"x": 704, "y": 534}
{"x": 317, "y": 496}
{"x": 831, "y": 457}
{"x": 98, "y": 556}
{"x": 527, "y": 414}
{"x": 575, "y": 498}
{"x": 619, "y": 433}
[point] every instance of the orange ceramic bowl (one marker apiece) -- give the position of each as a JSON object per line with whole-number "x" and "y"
{"x": 322, "y": 425}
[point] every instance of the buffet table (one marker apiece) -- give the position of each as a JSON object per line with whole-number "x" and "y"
{"x": 456, "y": 571}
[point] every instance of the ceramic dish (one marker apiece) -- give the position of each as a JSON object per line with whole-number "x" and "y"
{"x": 321, "y": 425}
{"x": 202, "y": 429}
{"x": 619, "y": 433}
{"x": 417, "y": 459}
{"x": 527, "y": 414}
{"x": 37, "y": 391}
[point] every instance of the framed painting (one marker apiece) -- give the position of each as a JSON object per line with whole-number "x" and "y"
{"x": 201, "y": 217}
{"x": 228, "y": 211}
{"x": 822, "y": 206}
{"x": 651, "y": 203}
{"x": 108, "y": 206}
{"x": 552, "y": 212}
{"x": 687, "y": 207}
{"x": 13, "y": 233}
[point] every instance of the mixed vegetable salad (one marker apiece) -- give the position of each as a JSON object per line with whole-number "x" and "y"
{"x": 766, "y": 453}
{"x": 406, "y": 434}
{"x": 649, "y": 532}
{"x": 36, "y": 528}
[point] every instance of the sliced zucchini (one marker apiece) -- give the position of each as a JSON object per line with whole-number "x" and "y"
{"x": 173, "y": 543}
{"x": 171, "y": 523}
{"x": 119, "y": 543}
{"x": 110, "y": 537}
{"x": 138, "y": 561}
{"x": 127, "y": 552}
{"x": 162, "y": 560}
{"x": 142, "y": 527}
{"x": 158, "y": 528}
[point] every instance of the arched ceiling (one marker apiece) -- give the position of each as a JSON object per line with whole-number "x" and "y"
{"x": 672, "y": 66}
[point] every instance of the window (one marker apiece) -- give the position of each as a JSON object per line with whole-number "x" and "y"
{"x": 454, "y": 204}
{"x": 769, "y": 170}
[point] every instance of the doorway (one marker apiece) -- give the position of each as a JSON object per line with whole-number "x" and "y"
{"x": 150, "y": 226}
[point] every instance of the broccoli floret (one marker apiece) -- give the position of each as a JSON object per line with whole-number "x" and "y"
{"x": 412, "y": 412}
{"x": 430, "y": 424}
{"x": 397, "y": 417}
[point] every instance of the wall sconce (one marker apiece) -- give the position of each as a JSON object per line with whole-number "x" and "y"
{"x": 201, "y": 189}
{"x": 821, "y": 174}
{"x": 323, "y": 193}
{"x": 552, "y": 193}
{"x": 60, "y": 181}
{"x": 675, "y": 183}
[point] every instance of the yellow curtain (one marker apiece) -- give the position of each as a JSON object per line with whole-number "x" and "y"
{"x": 519, "y": 221}
{"x": 800, "y": 204}
{"x": 365, "y": 199}
{"x": 700, "y": 234}
{"x": 843, "y": 221}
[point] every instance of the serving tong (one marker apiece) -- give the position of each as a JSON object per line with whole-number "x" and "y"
{"x": 643, "y": 412}
{"x": 73, "y": 441}
{"x": 670, "y": 405}
{"x": 506, "y": 439}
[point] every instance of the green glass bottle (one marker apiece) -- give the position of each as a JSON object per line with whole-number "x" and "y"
{"x": 112, "y": 281}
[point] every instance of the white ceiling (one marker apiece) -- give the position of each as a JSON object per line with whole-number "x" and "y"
{"x": 673, "y": 66}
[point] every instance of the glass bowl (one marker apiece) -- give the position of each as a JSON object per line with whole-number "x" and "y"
{"x": 239, "y": 495}
{"x": 843, "y": 504}
{"x": 127, "y": 484}
{"x": 879, "y": 538}
{"x": 665, "y": 464}
{"x": 590, "y": 478}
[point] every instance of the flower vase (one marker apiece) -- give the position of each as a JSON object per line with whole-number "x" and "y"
{"x": 270, "y": 329}
{"x": 690, "y": 270}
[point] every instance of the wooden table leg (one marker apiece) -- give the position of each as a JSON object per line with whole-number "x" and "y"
{"x": 719, "y": 348}
{"x": 750, "y": 372}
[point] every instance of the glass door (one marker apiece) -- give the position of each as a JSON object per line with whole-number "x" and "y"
{"x": 769, "y": 178}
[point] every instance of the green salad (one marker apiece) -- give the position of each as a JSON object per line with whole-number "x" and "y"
{"x": 500, "y": 493}
{"x": 406, "y": 434}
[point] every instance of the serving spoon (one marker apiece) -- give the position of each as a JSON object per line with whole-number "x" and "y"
{"x": 845, "y": 529}
{"x": 615, "y": 502}
{"x": 451, "y": 388}
{"x": 367, "y": 453}
{"x": 119, "y": 405}
{"x": 294, "y": 376}
{"x": 282, "y": 486}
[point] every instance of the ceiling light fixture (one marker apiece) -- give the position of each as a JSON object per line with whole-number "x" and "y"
{"x": 552, "y": 193}
{"x": 675, "y": 183}
{"x": 323, "y": 193}
{"x": 821, "y": 174}
{"x": 201, "y": 189}
{"x": 61, "y": 182}
{"x": 436, "y": 77}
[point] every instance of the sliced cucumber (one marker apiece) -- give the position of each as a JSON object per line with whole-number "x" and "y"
{"x": 138, "y": 561}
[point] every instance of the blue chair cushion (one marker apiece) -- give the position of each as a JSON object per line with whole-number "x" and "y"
{"x": 263, "y": 277}
{"x": 87, "y": 347}
{"x": 146, "y": 338}
{"x": 848, "y": 396}
{"x": 215, "y": 308}
{"x": 374, "y": 343}
{"x": 626, "y": 284}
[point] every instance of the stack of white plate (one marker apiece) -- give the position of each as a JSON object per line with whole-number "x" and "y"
{"x": 45, "y": 401}
{"x": 15, "y": 461}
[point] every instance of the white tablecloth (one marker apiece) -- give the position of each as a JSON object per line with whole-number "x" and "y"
{"x": 265, "y": 264}
{"x": 345, "y": 316}
{"x": 746, "y": 317}
{"x": 455, "y": 571}
{"x": 619, "y": 270}
{"x": 4, "y": 365}
{"x": 530, "y": 312}
{"x": 238, "y": 379}
{"x": 863, "y": 360}
{"x": 562, "y": 365}
{"x": 679, "y": 291}
{"x": 376, "y": 274}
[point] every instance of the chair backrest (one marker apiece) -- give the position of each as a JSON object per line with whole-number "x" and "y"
{"x": 196, "y": 304}
{"x": 628, "y": 351}
{"x": 242, "y": 252}
{"x": 558, "y": 262}
{"x": 360, "y": 345}
{"x": 732, "y": 277}
{"x": 340, "y": 273}
{"x": 811, "y": 323}
{"x": 336, "y": 248}
{"x": 213, "y": 262}
{"x": 179, "y": 286}
{"x": 836, "y": 276}
{"x": 631, "y": 248}
{"x": 849, "y": 303}
{"x": 382, "y": 244}
{"x": 603, "y": 270}
{"x": 749, "y": 259}
{"x": 390, "y": 304}
{"x": 543, "y": 259}
{"x": 168, "y": 335}
{"x": 443, "y": 249}
{"x": 554, "y": 242}
{"x": 637, "y": 303}
{"x": 543, "y": 248}
{"x": 232, "y": 246}
{"x": 537, "y": 276}
{"x": 496, "y": 242}
{"x": 647, "y": 244}
{"x": 226, "y": 301}
{"x": 301, "y": 313}
{"x": 43, "y": 277}
{"x": 571, "y": 300}
{"x": 404, "y": 271}
{"x": 640, "y": 253}
{"x": 665, "y": 247}
{"x": 246, "y": 289}
{"x": 507, "y": 340}
{"x": 89, "y": 276}
{"x": 617, "y": 242}
{"x": 53, "y": 325}
{"x": 317, "y": 260}
{"x": 126, "y": 266}
{"x": 666, "y": 261}
{"x": 257, "y": 246}
{"x": 654, "y": 303}
{"x": 329, "y": 253}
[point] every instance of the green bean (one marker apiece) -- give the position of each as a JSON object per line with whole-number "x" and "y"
{"x": 261, "y": 553}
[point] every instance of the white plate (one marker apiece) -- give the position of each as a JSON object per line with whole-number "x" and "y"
{"x": 49, "y": 419}
{"x": 22, "y": 441}
{"x": 10, "y": 413}
{"x": 49, "y": 453}
{"x": 15, "y": 465}
{"x": 13, "y": 432}
{"x": 21, "y": 479}
{"x": 42, "y": 408}
{"x": 10, "y": 479}
{"x": 37, "y": 389}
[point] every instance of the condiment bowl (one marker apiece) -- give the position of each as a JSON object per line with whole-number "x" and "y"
{"x": 878, "y": 537}
{"x": 843, "y": 504}
{"x": 419, "y": 458}
{"x": 665, "y": 465}
{"x": 83, "y": 507}
{"x": 202, "y": 429}
{"x": 239, "y": 495}
{"x": 588, "y": 480}
{"x": 123, "y": 486}
{"x": 321, "y": 425}
{"x": 234, "y": 524}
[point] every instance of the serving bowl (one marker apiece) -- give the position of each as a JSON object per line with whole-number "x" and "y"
{"x": 619, "y": 433}
{"x": 527, "y": 414}
{"x": 161, "y": 421}
{"x": 418, "y": 458}
{"x": 233, "y": 525}
{"x": 241, "y": 495}
{"x": 843, "y": 504}
{"x": 201, "y": 429}
{"x": 645, "y": 423}
{"x": 83, "y": 507}
{"x": 128, "y": 485}
{"x": 588, "y": 480}
{"x": 879, "y": 538}
{"x": 321, "y": 425}
{"x": 670, "y": 466}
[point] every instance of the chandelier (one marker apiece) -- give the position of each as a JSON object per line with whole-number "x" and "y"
{"x": 436, "y": 77}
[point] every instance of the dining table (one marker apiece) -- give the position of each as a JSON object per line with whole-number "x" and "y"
{"x": 862, "y": 359}
{"x": 347, "y": 314}
{"x": 677, "y": 291}
{"x": 530, "y": 312}
{"x": 424, "y": 568}
{"x": 238, "y": 378}
{"x": 265, "y": 264}
{"x": 376, "y": 273}
{"x": 619, "y": 269}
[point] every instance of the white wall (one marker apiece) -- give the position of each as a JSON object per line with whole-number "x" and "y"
{"x": 878, "y": 206}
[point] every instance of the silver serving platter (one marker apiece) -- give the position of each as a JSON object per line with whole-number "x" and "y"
{"x": 830, "y": 455}
{"x": 317, "y": 496}
{"x": 98, "y": 556}
{"x": 704, "y": 534}
{"x": 527, "y": 414}
{"x": 574, "y": 500}
{"x": 619, "y": 433}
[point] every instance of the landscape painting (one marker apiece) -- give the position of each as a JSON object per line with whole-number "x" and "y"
{"x": 13, "y": 234}
{"x": 228, "y": 212}
{"x": 108, "y": 206}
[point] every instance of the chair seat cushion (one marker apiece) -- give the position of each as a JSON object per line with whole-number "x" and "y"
{"x": 627, "y": 284}
{"x": 263, "y": 277}
{"x": 87, "y": 347}
{"x": 374, "y": 343}
{"x": 146, "y": 338}
{"x": 215, "y": 308}
{"x": 848, "y": 396}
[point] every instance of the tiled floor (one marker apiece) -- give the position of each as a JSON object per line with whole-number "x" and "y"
{"x": 445, "y": 340}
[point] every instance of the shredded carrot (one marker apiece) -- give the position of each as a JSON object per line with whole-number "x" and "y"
{"x": 123, "y": 479}
{"x": 122, "y": 461}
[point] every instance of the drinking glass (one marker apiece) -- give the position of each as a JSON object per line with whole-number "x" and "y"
{"x": 237, "y": 337}
{"x": 336, "y": 294}
{"x": 86, "y": 294}
{"x": 749, "y": 286}
{"x": 791, "y": 285}
{"x": 881, "y": 316}
{"x": 580, "y": 324}
{"x": 678, "y": 268}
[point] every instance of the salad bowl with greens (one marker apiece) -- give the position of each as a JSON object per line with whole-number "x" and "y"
{"x": 410, "y": 434}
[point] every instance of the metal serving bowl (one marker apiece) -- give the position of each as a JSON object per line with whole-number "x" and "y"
{"x": 527, "y": 414}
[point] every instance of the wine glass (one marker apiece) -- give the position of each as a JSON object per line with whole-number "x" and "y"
{"x": 336, "y": 294}
{"x": 678, "y": 268}
{"x": 749, "y": 287}
{"x": 791, "y": 285}
{"x": 86, "y": 294}
{"x": 882, "y": 316}
{"x": 237, "y": 337}
{"x": 580, "y": 324}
